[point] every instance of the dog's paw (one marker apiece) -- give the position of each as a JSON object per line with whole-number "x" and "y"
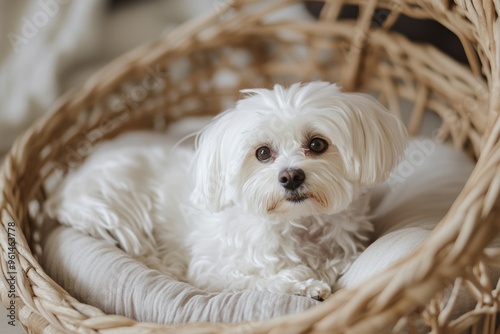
{"x": 312, "y": 288}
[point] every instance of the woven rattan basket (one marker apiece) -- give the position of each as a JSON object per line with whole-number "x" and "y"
{"x": 176, "y": 77}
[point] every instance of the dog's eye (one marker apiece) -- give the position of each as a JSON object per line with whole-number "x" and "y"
{"x": 318, "y": 145}
{"x": 263, "y": 153}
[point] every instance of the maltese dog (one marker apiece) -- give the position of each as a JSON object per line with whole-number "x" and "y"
{"x": 274, "y": 196}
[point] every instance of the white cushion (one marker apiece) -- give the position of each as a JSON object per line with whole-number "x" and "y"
{"x": 407, "y": 208}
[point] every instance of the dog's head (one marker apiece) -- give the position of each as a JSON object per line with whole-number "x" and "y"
{"x": 298, "y": 151}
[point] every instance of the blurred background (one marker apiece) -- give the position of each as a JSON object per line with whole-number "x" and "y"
{"x": 50, "y": 46}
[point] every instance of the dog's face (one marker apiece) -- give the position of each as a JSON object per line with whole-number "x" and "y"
{"x": 295, "y": 152}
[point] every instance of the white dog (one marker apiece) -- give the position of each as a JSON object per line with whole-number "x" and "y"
{"x": 274, "y": 197}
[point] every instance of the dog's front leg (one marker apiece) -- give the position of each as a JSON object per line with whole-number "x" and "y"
{"x": 299, "y": 280}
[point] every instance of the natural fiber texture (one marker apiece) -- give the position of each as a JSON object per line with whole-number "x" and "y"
{"x": 177, "y": 77}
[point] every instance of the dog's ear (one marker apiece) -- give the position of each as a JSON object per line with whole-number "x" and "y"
{"x": 211, "y": 167}
{"x": 371, "y": 141}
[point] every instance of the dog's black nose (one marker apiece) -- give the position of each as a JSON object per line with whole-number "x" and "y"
{"x": 291, "y": 179}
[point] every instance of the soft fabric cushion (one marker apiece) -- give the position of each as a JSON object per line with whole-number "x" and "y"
{"x": 416, "y": 196}
{"x": 406, "y": 209}
{"x": 98, "y": 273}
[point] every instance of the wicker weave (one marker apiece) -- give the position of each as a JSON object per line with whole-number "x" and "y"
{"x": 174, "y": 78}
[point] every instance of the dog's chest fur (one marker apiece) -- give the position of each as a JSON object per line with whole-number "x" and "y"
{"x": 313, "y": 238}
{"x": 317, "y": 241}
{"x": 265, "y": 247}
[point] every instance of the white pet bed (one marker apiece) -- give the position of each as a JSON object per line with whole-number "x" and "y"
{"x": 406, "y": 210}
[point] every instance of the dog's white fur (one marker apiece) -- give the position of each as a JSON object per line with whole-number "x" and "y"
{"x": 218, "y": 217}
